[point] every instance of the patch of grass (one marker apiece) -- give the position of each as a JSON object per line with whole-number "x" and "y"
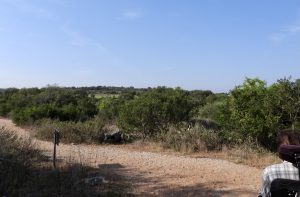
{"x": 194, "y": 139}
{"x": 202, "y": 142}
{"x": 90, "y": 131}
{"x": 249, "y": 152}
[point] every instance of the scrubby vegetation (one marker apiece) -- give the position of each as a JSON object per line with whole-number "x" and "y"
{"x": 24, "y": 171}
{"x": 195, "y": 139}
{"x": 154, "y": 111}
{"x": 90, "y": 131}
{"x": 257, "y": 111}
{"x": 28, "y": 105}
{"x": 176, "y": 117}
{"x": 15, "y": 162}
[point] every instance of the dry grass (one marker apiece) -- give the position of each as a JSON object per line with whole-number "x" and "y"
{"x": 251, "y": 158}
{"x": 247, "y": 154}
{"x": 16, "y": 157}
{"x": 199, "y": 141}
{"x": 25, "y": 171}
{"x": 89, "y": 131}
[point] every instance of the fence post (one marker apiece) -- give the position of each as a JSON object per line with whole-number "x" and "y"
{"x": 55, "y": 142}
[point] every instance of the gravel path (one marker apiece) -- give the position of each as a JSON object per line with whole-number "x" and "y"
{"x": 159, "y": 174}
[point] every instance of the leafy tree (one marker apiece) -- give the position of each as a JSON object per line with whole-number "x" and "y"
{"x": 284, "y": 102}
{"x": 257, "y": 111}
{"x": 245, "y": 109}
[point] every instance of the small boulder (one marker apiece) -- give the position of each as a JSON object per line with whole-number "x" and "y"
{"x": 97, "y": 180}
{"x": 112, "y": 137}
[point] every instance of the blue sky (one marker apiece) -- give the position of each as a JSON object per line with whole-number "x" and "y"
{"x": 194, "y": 44}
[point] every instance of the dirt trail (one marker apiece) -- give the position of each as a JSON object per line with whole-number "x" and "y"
{"x": 159, "y": 174}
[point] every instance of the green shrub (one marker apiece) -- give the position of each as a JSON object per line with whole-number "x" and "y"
{"x": 153, "y": 111}
{"x": 28, "y": 105}
{"x": 211, "y": 110}
{"x": 90, "y": 131}
{"x": 257, "y": 111}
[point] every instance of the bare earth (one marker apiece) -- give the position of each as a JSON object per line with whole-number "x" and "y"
{"x": 159, "y": 174}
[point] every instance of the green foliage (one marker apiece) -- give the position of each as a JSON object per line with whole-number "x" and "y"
{"x": 29, "y": 105}
{"x": 247, "y": 103}
{"x": 284, "y": 102}
{"x": 109, "y": 107}
{"x": 199, "y": 97}
{"x": 154, "y": 110}
{"x": 257, "y": 111}
{"x": 250, "y": 111}
{"x": 212, "y": 110}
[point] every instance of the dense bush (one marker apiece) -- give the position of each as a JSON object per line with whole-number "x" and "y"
{"x": 199, "y": 97}
{"x": 90, "y": 131}
{"x": 153, "y": 111}
{"x": 211, "y": 111}
{"x": 257, "y": 111}
{"x": 109, "y": 106}
{"x": 29, "y": 105}
{"x": 197, "y": 138}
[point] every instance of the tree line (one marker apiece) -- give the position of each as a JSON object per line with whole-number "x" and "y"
{"x": 32, "y": 104}
{"x": 251, "y": 110}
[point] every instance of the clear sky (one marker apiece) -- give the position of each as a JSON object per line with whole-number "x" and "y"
{"x": 193, "y": 44}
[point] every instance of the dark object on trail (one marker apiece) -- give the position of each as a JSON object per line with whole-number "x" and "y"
{"x": 285, "y": 187}
{"x": 112, "y": 137}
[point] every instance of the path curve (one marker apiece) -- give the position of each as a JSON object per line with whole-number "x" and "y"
{"x": 160, "y": 174}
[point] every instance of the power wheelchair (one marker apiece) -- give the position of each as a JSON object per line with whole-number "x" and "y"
{"x": 286, "y": 187}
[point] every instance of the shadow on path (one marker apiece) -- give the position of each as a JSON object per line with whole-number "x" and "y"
{"x": 140, "y": 184}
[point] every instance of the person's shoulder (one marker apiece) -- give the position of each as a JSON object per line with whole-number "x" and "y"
{"x": 276, "y": 166}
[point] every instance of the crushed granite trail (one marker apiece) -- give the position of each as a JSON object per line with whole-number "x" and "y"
{"x": 158, "y": 174}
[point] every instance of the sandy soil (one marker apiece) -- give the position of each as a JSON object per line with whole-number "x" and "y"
{"x": 159, "y": 174}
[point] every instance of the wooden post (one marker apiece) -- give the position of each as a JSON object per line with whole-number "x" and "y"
{"x": 55, "y": 142}
{"x": 54, "y": 151}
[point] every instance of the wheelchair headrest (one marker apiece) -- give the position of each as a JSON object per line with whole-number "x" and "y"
{"x": 290, "y": 153}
